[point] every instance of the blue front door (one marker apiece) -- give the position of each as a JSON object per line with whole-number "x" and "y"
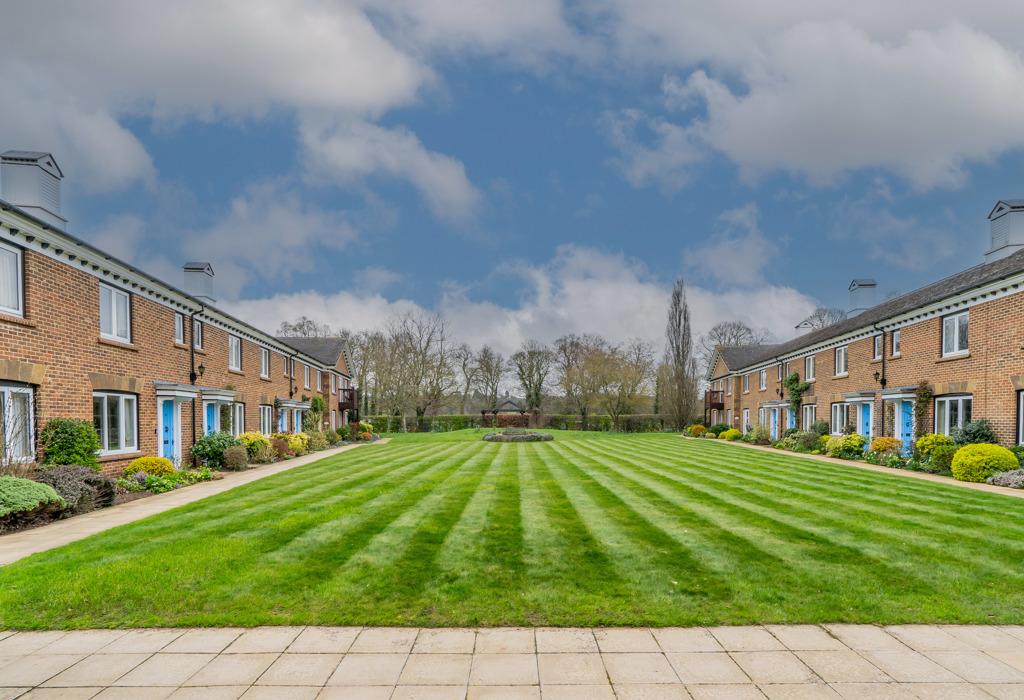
{"x": 211, "y": 418}
{"x": 774, "y": 423}
{"x": 168, "y": 425}
{"x": 907, "y": 425}
{"x": 865, "y": 420}
{"x": 792, "y": 419}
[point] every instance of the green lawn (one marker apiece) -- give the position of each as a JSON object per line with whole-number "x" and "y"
{"x": 586, "y": 530}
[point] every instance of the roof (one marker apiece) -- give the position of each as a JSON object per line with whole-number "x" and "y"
{"x": 327, "y": 350}
{"x": 34, "y": 157}
{"x": 1004, "y": 206}
{"x": 736, "y": 356}
{"x": 973, "y": 277}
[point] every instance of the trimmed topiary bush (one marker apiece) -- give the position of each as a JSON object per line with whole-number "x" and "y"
{"x": 236, "y": 458}
{"x": 974, "y": 432}
{"x": 70, "y": 441}
{"x": 209, "y": 449}
{"x": 25, "y": 502}
{"x": 82, "y": 488}
{"x": 941, "y": 459}
{"x": 154, "y": 466}
{"x": 980, "y": 461}
{"x": 926, "y": 443}
{"x": 731, "y": 434}
{"x": 696, "y": 430}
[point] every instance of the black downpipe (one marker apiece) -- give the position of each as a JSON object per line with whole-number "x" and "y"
{"x": 192, "y": 376}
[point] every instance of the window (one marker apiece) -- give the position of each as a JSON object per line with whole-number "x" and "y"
{"x": 235, "y": 353}
{"x": 197, "y": 334}
{"x": 728, "y": 386}
{"x": 728, "y": 416}
{"x": 237, "y": 419}
{"x": 951, "y": 412}
{"x": 116, "y": 419}
{"x": 896, "y": 343}
{"x": 746, "y": 419}
{"x": 809, "y": 368}
{"x": 840, "y": 417}
{"x": 762, "y": 416}
{"x": 266, "y": 419}
{"x": 842, "y": 367}
{"x": 264, "y": 362}
{"x": 785, "y": 369}
{"x": 179, "y": 329}
{"x": 297, "y": 420}
{"x": 334, "y": 419}
{"x": 779, "y": 371}
{"x": 10, "y": 280}
{"x": 319, "y": 381}
{"x": 810, "y": 414}
{"x": 333, "y": 383}
{"x": 876, "y": 348}
{"x": 746, "y": 383}
{"x": 763, "y": 380}
{"x": 954, "y": 334}
{"x": 115, "y": 320}
{"x": 305, "y": 376}
{"x": 16, "y": 423}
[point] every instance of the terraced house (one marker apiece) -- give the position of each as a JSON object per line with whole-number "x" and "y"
{"x": 85, "y": 335}
{"x": 962, "y": 335}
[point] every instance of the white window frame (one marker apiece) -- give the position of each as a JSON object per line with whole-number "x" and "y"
{"x": 953, "y": 321}
{"x": 959, "y": 399}
{"x": 877, "y": 346}
{"x": 319, "y": 380}
{"x": 1020, "y": 417}
{"x": 234, "y": 353}
{"x": 265, "y": 363}
{"x": 20, "y": 273}
{"x": 728, "y": 386}
{"x": 837, "y": 426}
{"x": 197, "y": 334}
{"x": 305, "y": 376}
{"x": 237, "y": 419}
{"x": 762, "y": 380}
{"x": 780, "y": 370}
{"x": 844, "y": 352}
{"x": 125, "y": 417}
{"x": 179, "y": 328}
{"x": 746, "y": 420}
{"x": 7, "y": 392}
{"x": 895, "y": 341}
{"x": 266, "y": 419}
{"x": 809, "y": 368}
{"x": 334, "y": 383}
{"x": 334, "y": 419}
{"x": 809, "y": 414}
{"x": 115, "y": 294}
{"x": 746, "y": 383}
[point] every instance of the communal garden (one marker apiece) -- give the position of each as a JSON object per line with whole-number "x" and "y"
{"x": 587, "y": 529}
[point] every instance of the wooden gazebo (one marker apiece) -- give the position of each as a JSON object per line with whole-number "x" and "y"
{"x": 489, "y": 416}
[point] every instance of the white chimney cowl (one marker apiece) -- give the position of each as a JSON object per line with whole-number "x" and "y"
{"x": 1007, "y": 228}
{"x": 199, "y": 280}
{"x": 30, "y": 180}
{"x": 862, "y": 296}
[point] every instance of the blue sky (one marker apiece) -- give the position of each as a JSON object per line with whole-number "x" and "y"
{"x": 530, "y": 170}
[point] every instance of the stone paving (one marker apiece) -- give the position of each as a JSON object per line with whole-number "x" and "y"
{"x": 21, "y": 544}
{"x": 771, "y": 661}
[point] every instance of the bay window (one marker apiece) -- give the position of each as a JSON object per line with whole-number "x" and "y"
{"x": 116, "y": 419}
{"x": 952, "y": 412}
{"x": 11, "y": 280}
{"x": 954, "y": 334}
{"x": 115, "y": 314}
{"x": 16, "y": 423}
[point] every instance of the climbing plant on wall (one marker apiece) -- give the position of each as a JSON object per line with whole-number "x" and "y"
{"x": 796, "y": 390}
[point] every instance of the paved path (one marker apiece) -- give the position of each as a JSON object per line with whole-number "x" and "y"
{"x": 774, "y": 661}
{"x": 22, "y": 544}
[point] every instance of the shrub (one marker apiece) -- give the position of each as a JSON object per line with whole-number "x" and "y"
{"x": 696, "y": 430}
{"x": 342, "y": 432}
{"x": 236, "y": 458}
{"x": 926, "y": 443}
{"x": 710, "y": 435}
{"x": 298, "y": 443}
{"x": 23, "y": 502}
{"x": 194, "y": 476}
{"x": 253, "y": 442}
{"x": 846, "y": 446}
{"x": 974, "y": 432}
{"x": 70, "y": 441}
{"x": 718, "y": 428}
{"x": 209, "y": 449}
{"x": 155, "y": 466}
{"x": 317, "y": 440}
{"x": 820, "y": 427}
{"x": 978, "y": 462}
{"x": 281, "y": 448}
{"x": 265, "y": 454}
{"x": 886, "y": 445}
{"x": 941, "y": 459}
{"x": 82, "y": 488}
{"x": 160, "y": 484}
{"x": 759, "y": 435}
{"x": 804, "y": 441}
{"x": 1019, "y": 451}
{"x": 731, "y": 434}
{"x": 1012, "y": 479}
{"x": 790, "y": 432}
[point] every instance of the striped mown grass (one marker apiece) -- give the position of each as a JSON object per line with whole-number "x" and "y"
{"x": 587, "y": 530}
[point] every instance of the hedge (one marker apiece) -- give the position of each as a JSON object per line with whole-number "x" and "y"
{"x": 634, "y": 423}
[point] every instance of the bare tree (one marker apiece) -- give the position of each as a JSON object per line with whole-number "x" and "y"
{"x": 492, "y": 369}
{"x": 422, "y": 346}
{"x": 822, "y": 317}
{"x": 579, "y": 365}
{"x": 465, "y": 361}
{"x": 625, "y": 374}
{"x": 304, "y": 327}
{"x": 680, "y": 382}
{"x": 729, "y": 334}
{"x": 532, "y": 365}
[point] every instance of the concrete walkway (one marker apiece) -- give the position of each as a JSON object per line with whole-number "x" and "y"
{"x": 773, "y": 661}
{"x": 923, "y": 476}
{"x": 59, "y": 533}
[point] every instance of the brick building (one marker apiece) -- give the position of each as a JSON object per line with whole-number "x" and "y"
{"x": 963, "y": 335}
{"x": 85, "y": 335}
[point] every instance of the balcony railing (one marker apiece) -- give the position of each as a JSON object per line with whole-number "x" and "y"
{"x": 714, "y": 399}
{"x": 348, "y": 399}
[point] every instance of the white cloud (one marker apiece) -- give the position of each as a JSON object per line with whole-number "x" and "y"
{"x": 348, "y": 151}
{"x": 580, "y": 290}
{"x": 738, "y": 253}
{"x": 375, "y": 278}
{"x": 652, "y": 150}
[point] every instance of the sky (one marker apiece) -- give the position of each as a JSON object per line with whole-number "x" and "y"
{"x": 526, "y": 169}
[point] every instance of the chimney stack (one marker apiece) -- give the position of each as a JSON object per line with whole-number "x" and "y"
{"x": 30, "y": 180}
{"x": 199, "y": 281}
{"x": 1007, "y": 225}
{"x": 862, "y": 296}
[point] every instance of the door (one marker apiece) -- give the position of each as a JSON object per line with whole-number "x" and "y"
{"x": 169, "y": 439}
{"x": 907, "y": 425}
{"x": 774, "y": 418}
{"x": 865, "y": 420}
{"x": 792, "y": 420}
{"x": 211, "y": 418}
